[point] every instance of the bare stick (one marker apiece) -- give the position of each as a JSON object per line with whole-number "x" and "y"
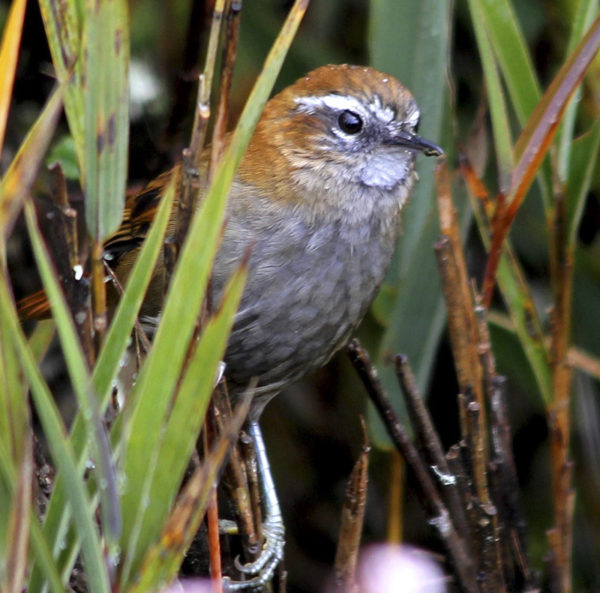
{"x": 353, "y": 514}
{"x": 439, "y": 516}
{"x": 427, "y": 435}
{"x": 232, "y": 30}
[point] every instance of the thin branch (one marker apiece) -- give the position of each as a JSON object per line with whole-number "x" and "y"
{"x": 439, "y": 517}
{"x": 353, "y": 514}
{"x": 229, "y": 54}
{"x": 431, "y": 444}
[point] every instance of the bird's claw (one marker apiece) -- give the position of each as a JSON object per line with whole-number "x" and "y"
{"x": 261, "y": 570}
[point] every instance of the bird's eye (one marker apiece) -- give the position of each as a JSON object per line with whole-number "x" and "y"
{"x": 350, "y": 122}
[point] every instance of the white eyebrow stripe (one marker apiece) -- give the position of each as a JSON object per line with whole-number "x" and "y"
{"x": 336, "y": 102}
{"x": 333, "y": 102}
{"x": 382, "y": 113}
{"x": 413, "y": 115}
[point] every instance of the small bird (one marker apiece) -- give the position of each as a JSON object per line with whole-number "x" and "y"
{"x": 319, "y": 197}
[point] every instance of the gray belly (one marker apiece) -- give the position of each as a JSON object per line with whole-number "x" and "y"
{"x": 306, "y": 293}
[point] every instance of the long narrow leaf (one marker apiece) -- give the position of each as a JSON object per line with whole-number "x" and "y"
{"x": 515, "y": 61}
{"x": 18, "y": 526}
{"x": 410, "y": 306}
{"x": 515, "y": 292}
{"x": 80, "y": 380}
{"x": 584, "y": 15}
{"x": 62, "y": 24}
{"x": 38, "y": 543}
{"x": 20, "y": 176}
{"x": 157, "y": 380}
{"x": 509, "y": 45}
{"x": 15, "y": 446}
{"x": 106, "y": 109}
{"x": 62, "y": 452}
{"x": 164, "y": 559}
{"x": 9, "y": 53}
{"x": 584, "y": 159}
{"x": 105, "y": 371}
{"x": 495, "y": 97}
{"x": 536, "y": 138}
{"x": 186, "y": 418}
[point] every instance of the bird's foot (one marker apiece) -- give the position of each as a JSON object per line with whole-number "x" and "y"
{"x": 256, "y": 574}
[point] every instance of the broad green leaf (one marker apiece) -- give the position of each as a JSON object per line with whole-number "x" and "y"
{"x": 412, "y": 312}
{"x": 62, "y": 23}
{"x": 105, "y": 89}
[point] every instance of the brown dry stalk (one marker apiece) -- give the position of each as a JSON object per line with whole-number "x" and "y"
{"x": 353, "y": 513}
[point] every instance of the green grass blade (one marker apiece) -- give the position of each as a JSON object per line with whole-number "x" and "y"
{"x": 39, "y": 545}
{"x": 105, "y": 371}
{"x": 521, "y": 308}
{"x": 15, "y": 450}
{"x": 584, "y": 15}
{"x": 516, "y": 64}
{"x": 41, "y": 338}
{"x": 22, "y": 171}
{"x": 511, "y": 51}
{"x": 61, "y": 451}
{"x": 62, "y": 23}
{"x": 19, "y": 516}
{"x": 106, "y": 113}
{"x": 164, "y": 559}
{"x": 183, "y": 428}
{"x": 118, "y": 335}
{"x": 583, "y": 163}
{"x": 157, "y": 380}
{"x": 80, "y": 380}
{"x": 541, "y": 126}
{"x": 43, "y": 556}
{"x": 496, "y": 101}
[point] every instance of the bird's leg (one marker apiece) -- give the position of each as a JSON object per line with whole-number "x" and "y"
{"x": 261, "y": 570}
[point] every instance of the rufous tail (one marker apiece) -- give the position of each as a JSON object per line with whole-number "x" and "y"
{"x": 34, "y": 306}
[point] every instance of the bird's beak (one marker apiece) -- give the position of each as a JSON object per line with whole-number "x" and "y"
{"x": 415, "y": 142}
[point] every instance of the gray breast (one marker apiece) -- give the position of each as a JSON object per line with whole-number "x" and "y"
{"x": 307, "y": 290}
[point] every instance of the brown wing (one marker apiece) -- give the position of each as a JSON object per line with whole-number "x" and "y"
{"x": 140, "y": 210}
